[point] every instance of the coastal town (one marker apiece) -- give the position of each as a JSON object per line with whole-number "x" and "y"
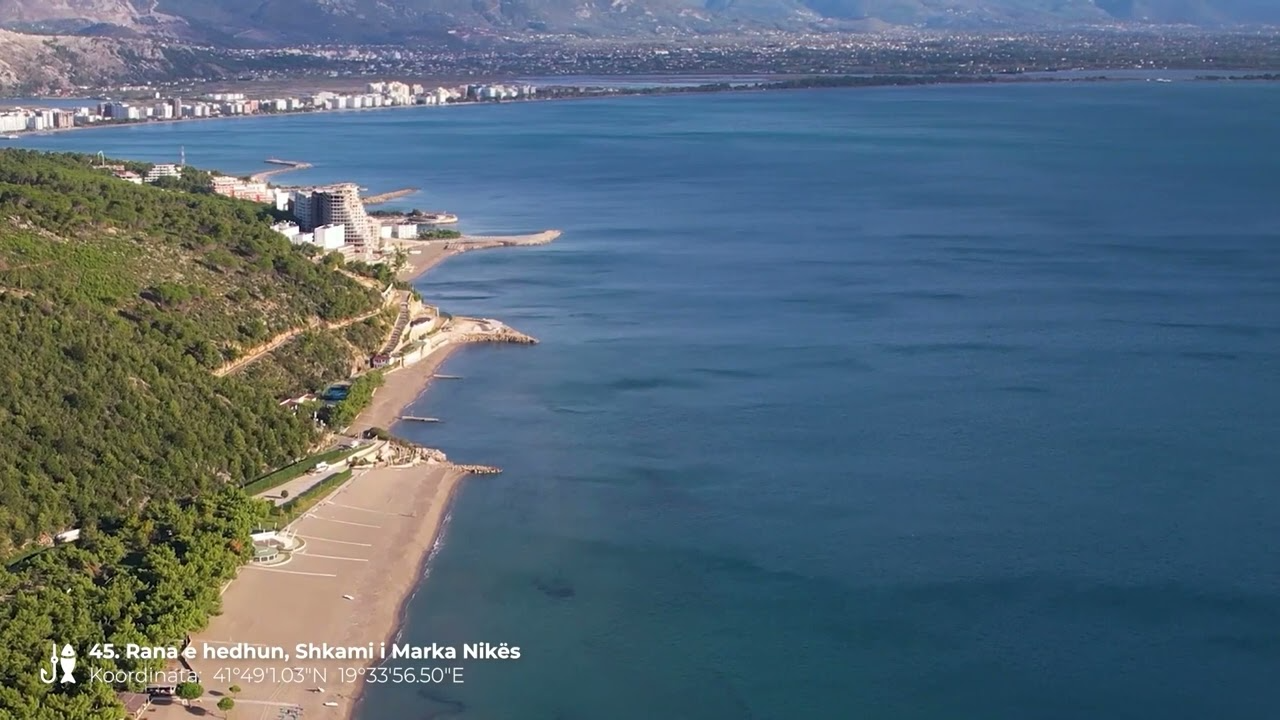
{"x": 330, "y": 217}
{"x": 234, "y": 104}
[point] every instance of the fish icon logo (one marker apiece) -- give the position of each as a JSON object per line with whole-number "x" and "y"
{"x": 66, "y": 660}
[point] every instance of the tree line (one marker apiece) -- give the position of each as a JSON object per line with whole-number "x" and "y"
{"x": 204, "y": 269}
{"x": 115, "y": 301}
{"x": 148, "y": 577}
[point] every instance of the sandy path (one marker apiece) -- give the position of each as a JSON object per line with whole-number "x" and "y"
{"x": 275, "y": 343}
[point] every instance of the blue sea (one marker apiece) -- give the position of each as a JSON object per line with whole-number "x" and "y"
{"x": 903, "y": 403}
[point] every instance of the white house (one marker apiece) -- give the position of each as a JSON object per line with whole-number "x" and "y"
{"x": 287, "y": 229}
{"x": 331, "y": 237}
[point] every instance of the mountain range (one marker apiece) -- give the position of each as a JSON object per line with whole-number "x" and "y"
{"x": 259, "y": 22}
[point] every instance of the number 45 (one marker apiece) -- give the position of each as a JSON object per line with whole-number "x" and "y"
{"x": 106, "y": 651}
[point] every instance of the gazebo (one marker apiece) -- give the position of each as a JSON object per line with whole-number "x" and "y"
{"x": 265, "y": 552}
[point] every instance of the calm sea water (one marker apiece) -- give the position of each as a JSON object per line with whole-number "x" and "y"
{"x": 902, "y": 403}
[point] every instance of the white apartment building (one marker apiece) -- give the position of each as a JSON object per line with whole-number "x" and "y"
{"x": 13, "y": 122}
{"x": 341, "y": 204}
{"x": 332, "y": 236}
{"x": 163, "y": 170}
{"x": 302, "y": 205}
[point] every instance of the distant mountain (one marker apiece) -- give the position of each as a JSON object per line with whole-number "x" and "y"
{"x": 42, "y": 63}
{"x": 229, "y": 22}
{"x": 1042, "y": 13}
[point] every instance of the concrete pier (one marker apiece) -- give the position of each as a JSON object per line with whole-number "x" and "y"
{"x": 289, "y": 166}
{"x": 388, "y": 196}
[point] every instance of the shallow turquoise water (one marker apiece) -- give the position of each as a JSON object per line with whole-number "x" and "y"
{"x": 898, "y": 403}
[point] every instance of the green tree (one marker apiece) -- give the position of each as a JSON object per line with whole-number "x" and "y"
{"x": 225, "y": 705}
{"x": 189, "y": 691}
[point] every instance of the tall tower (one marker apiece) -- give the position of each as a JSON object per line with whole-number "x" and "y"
{"x": 341, "y": 205}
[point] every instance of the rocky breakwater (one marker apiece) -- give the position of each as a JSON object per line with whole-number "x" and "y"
{"x": 479, "y": 469}
{"x": 407, "y": 454}
{"x": 475, "y": 242}
{"x": 482, "y": 242}
{"x": 471, "y": 330}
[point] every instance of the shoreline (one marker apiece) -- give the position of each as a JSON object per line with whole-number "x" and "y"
{"x": 396, "y": 397}
{"x": 428, "y": 254}
{"x": 658, "y": 91}
{"x": 367, "y": 548}
{"x": 395, "y": 633}
{"x": 415, "y": 381}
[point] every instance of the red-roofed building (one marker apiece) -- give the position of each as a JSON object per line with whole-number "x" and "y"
{"x": 134, "y": 703}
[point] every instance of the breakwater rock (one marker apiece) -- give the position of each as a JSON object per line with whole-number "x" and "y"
{"x": 479, "y": 469}
{"x": 503, "y": 334}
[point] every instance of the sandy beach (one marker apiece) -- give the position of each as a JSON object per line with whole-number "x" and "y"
{"x": 399, "y": 391}
{"x": 363, "y": 552}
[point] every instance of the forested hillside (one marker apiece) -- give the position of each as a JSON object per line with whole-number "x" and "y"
{"x": 149, "y": 578}
{"x": 116, "y": 301}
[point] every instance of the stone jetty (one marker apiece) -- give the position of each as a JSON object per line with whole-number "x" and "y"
{"x": 479, "y": 469}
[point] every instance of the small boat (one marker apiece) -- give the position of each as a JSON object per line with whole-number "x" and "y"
{"x": 10, "y": 137}
{"x": 1163, "y": 80}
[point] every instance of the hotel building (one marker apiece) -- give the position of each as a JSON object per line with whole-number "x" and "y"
{"x": 336, "y": 205}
